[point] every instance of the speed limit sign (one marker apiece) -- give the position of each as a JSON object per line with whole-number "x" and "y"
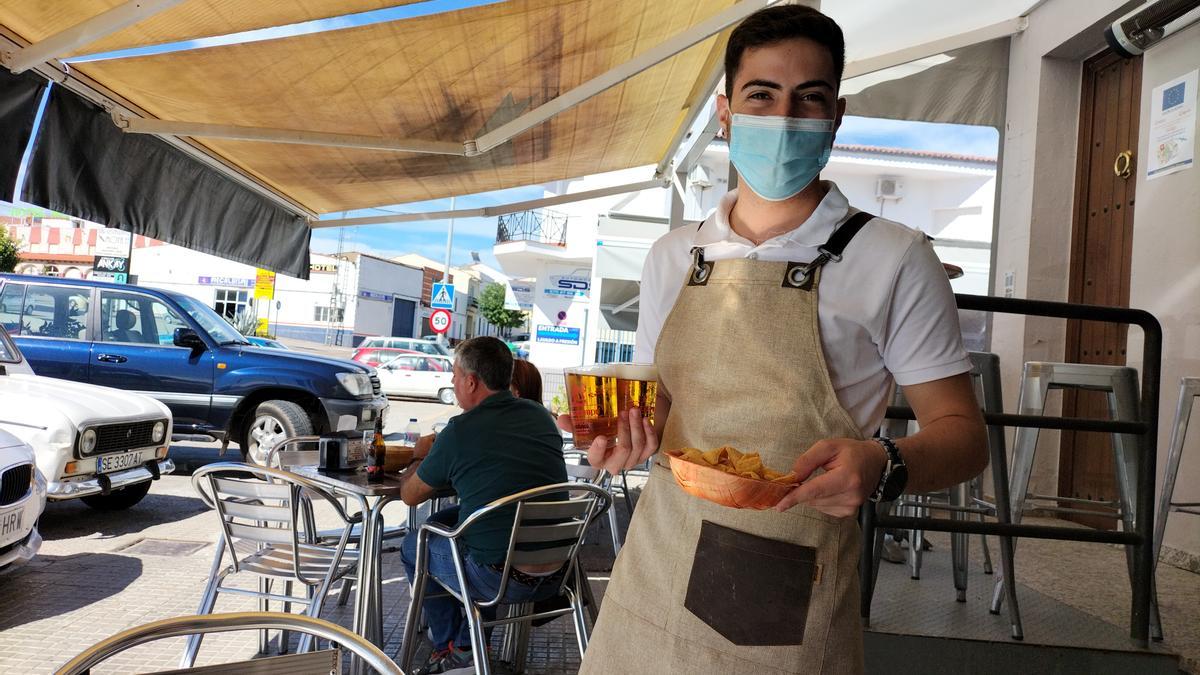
{"x": 439, "y": 321}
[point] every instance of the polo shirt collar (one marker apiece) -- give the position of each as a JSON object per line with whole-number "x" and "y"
{"x": 497, "y": 398}
{"x": 812, "y": 232}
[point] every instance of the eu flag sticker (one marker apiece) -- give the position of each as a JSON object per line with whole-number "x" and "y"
{"x": 1173, "y": 96}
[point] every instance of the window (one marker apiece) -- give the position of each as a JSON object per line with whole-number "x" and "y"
{"x": 612, "y": 352}
{"x": 323, "y": 314}
{"x": 55, "y": 311}
{"x": 138, "y": 319}
{"x": 11, "y": 297}
{"x": 231, "y": 303}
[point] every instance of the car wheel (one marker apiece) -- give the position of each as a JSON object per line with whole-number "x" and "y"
{"x": 447, "y": 396}
{"x": 273, "y": 421}
{"x": 119, "y": 500}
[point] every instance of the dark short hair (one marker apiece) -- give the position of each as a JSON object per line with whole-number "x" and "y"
{"x": 527, "y": 380}
{"x": 487, "y": 358}
{"x": 777, "y": 23}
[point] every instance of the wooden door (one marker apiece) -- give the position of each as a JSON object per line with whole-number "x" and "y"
{"x": 1101, "y": 249}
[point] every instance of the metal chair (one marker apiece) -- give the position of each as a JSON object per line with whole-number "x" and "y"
{"x": 578, "y": 470}
{"x": 1120, "y": 383}
{"x": 1189, "y": 390}
{"x": 267, "y": 530}
{"x": 967, "y": 498}
{"x": 312, "y": 663}
{"x": 539, "y": 519}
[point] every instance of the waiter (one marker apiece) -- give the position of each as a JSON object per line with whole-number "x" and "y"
{"x": 779, "y": 326}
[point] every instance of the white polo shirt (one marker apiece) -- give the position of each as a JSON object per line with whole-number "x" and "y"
{"x": 885, "y": 310}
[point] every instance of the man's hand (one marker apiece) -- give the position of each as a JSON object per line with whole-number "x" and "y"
{"x": 424, "y": 445}
{"x": 636, "y": 441}
{"x": 852, "y": 472}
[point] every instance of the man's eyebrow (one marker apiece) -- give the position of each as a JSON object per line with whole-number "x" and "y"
{"x": 775, "y": 85}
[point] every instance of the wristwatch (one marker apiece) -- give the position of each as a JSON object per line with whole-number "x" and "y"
{"x": 895, "y": 473}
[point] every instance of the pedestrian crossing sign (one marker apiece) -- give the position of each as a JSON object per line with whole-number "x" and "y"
{"x": 443, "y": 297}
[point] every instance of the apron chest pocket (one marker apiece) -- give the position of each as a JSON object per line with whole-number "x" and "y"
{"x": 752, "y": 590}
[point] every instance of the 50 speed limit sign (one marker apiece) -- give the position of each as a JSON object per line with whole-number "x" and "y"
{"x": 439, "y": 321}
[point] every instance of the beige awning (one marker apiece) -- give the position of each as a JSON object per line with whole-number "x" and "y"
{"x": 441, "y": 79}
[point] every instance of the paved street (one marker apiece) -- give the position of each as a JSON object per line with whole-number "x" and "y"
{"x": 99, "y": 573}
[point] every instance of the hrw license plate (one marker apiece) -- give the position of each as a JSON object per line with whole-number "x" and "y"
{"x": 10, "y": 524}
{"x": 110, "y": 463}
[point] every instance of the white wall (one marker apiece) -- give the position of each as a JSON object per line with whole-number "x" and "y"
{"x": 378, "y": 277}
{"x": 196, "y": 274}
{"x": 548, "y": 302}
{"x": 1166, "y": 282}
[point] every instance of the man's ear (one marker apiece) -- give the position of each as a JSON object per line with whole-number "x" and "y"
{"x": 724, "y": 117}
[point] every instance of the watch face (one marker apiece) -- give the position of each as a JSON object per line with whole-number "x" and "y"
{"x": 894, "y": 485}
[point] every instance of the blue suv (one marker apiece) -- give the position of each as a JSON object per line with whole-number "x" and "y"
{"x": 178, "y": 350}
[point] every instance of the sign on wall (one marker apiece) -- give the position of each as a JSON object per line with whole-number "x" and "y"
{"x": 1172, "y": 126}
{"x": 518, "y": 295}
{"x": 110, "y": 242}
{"x": 225, "y": 281}
{"x": 372, "y": 295}
{"x": 558, "y": 335}
{"x": 264, "y": 285}
{"x": 568, "y": 283}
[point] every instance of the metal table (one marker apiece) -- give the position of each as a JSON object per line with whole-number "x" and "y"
{"x": 368, "y": 605}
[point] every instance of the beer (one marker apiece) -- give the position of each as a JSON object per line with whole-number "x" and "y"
{"x": 637, "y": 387}
{"x": 592, "y": 394}
{"x": 598, "y": 394}
{"x": 377, "y": 458}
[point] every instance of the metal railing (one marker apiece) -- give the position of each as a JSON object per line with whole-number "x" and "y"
{"x": 541, "y": 226}
{"x": 1146, "y": 430}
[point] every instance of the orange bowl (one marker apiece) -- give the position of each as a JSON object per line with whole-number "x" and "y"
{"x": 726, "y": 489}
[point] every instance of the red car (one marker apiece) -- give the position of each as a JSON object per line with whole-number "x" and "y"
{"x": 376, "y": 356}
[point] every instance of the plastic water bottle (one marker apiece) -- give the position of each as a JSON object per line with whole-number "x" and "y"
{"x": 412, "y": 433}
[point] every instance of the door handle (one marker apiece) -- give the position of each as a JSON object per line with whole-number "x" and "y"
{"x": 111, "y": 358}
{"x": 1123, "y": 165}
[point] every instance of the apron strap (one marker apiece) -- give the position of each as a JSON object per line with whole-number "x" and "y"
{"x": 801, "y": 275}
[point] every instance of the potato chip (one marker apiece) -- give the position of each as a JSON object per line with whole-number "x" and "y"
{"x": 733, "y": 461}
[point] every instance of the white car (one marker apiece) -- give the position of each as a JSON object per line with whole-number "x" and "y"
{"x": 418, "y": 375}
{"x": 99, "y": 444}
{"x": 22, "y": 499}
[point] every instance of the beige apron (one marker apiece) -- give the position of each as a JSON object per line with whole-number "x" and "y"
{"x": 702, "y": 588}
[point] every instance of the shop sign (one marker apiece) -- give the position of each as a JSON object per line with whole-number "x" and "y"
{"x": 111, "y": 263}
{"x": 264, "y": 285}
{"x": 323, "y": 268}
{"x": 518, "y": 296}
{"x": 557, "y": 335}
{"x": 372, "y": 295}
{"x": 110, "y": 242}
{"x": 574, "y": 284}
{"x": 226, "y": 281}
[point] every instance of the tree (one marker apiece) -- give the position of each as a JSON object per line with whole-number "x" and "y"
{"x": 491, "y": 305}
{"x": 10, "y": 251}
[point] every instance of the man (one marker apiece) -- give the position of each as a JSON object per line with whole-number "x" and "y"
{"x": 779, "y": 326}
{"x": 500, "y": 445}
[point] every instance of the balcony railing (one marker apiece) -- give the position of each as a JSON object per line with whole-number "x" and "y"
{"x": 542, "y": 226}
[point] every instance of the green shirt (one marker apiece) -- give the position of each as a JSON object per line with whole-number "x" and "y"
{"x": 503, "y": 446}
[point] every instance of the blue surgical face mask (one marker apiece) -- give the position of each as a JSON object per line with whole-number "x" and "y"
{"x": 777, "y": 157}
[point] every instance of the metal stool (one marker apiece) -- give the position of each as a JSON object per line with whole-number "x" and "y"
{"x": 967, "y": 498}
{"x": 1189, "y": 389}
{"x": 1121, "y": 385}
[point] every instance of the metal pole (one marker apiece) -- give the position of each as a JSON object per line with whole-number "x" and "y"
{"x": 446, "y": 273}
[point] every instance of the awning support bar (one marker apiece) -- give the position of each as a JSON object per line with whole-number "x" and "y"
{"x": 490, "y": 211}
{"x": 950, "y": 43}
{"x": 18, "y": 60}
{"x": 142, "y": 125}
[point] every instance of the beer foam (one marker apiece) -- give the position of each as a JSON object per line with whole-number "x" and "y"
{"x": 637, "y": 371}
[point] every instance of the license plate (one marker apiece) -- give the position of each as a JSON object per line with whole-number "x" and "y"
{"x": 10, "y": 524}
{"x": 110, "y": 463}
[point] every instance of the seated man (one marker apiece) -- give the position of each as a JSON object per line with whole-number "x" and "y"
{"x": 500, "y": 445}
{"x": 125, "y": 321}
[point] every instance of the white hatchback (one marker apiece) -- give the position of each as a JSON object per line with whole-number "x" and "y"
{"x": 99, "y": 444}
{"x": 22, "y": 499}
{"x": 418, "y": 375}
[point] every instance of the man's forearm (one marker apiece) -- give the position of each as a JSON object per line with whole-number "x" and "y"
{"x": 945, "y": 452}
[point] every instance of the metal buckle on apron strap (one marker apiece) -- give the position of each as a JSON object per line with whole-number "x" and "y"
{"x": 701, "y": 271}
{"x": 801, "y": 275}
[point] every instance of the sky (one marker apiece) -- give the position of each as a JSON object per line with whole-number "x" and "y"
{"x": 428, "y": 238}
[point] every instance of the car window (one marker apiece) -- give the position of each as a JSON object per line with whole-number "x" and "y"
{"x": 368, "y": 343}
{"x": 437, "y": 365}
{"x": 369, "y": 355}
{"x": 11, "y": 298}
{"x": 139, "y": 319}
{"x": 8, "y": 351}
{"x": 406, "y": 363}
{"x": 55, "y": 311}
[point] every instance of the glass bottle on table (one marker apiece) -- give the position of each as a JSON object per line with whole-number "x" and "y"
{"x": 378, "y": 456}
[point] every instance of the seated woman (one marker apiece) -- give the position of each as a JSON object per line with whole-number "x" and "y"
{"x": 526, "y": 381}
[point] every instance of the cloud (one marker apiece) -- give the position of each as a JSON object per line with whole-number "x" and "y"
{"x": 956, "y": 138}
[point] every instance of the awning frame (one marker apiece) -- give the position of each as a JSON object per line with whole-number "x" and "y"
{"x": 19, "y": 59}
